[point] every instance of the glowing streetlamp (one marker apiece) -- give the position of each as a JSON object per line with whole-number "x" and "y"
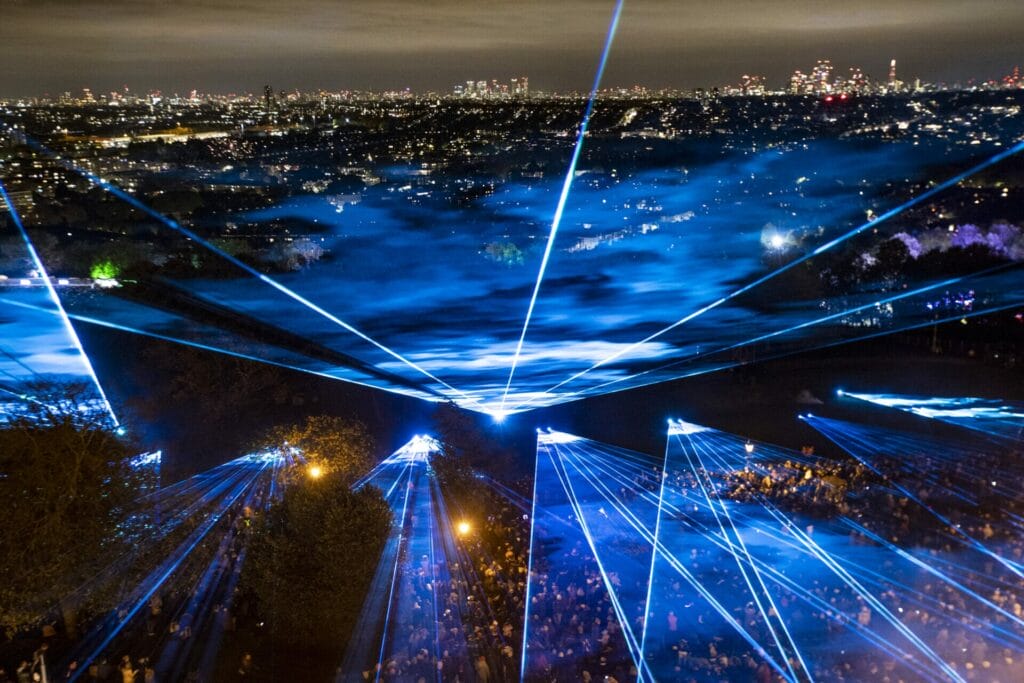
{"x": 463, "y": 528}
{"x": 315, "y": 471}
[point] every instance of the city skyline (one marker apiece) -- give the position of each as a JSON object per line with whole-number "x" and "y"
{"x": 823, "y": 78}
{"x": 237, "y": 47}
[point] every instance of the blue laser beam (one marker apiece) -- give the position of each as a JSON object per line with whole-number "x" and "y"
{"x": 56, "y": 302}
{"x": 718, "y": 453}
{"x": 1002, "y": 420}
{"x": 417, "y": 528}
{"x": 162, "y": 575}
{"x": 585, "y": 464}
{"x": 910, "y": 203}
{"x": 837, "y": 568}
{"x": 570, "y": 491}
{"x": 295, "y": 296}
{"x": 831, "y": 430}
{"x": 215, "y": 349}
{"x": 743, "y": 546}
{"x": 739, "y": 562}
{"x": 586, "y": 461}
{"x": 402, "y": 536}
{"x": 585, "y": 457}
{"x": 529, "y": 567}
{"x": 811, "y": 323}
{"x": 928, "y": 323}
{"x": 563, "y": 197}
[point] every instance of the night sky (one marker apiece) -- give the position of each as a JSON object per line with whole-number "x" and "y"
{"x": 238, "y": 45}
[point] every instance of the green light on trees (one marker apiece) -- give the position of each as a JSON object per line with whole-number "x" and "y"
{"x": 104, "y": 270}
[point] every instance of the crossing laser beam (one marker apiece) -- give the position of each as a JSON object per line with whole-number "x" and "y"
{"x": 731, "y": 364}
{"x": 812, "y": 323}
{"x": 910, "y": 203}
{"x": 217, "y": 349}
{"x": 291, "y": 294}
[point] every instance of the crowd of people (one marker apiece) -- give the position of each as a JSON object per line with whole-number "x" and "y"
{"x": 466, "y": 617}
{"x": 903, "y": 570}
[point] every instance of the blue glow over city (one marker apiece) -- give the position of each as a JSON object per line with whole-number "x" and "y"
{"x": 615, "y": 308}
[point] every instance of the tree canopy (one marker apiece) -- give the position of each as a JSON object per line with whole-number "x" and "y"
{"x": 313, "y": 557}
{"x": 65, "y": 482}
{"x": 336, "y": 444}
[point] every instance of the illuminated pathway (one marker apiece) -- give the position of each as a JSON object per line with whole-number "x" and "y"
{"x": 206, "y": 507}
{"x": 409, "y": 618}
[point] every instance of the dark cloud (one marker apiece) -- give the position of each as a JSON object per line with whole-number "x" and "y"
{"x": 53, "y": 45}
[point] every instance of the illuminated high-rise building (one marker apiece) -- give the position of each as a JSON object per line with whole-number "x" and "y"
{"x": 798, "y": 83}
{"x": 894, "y": 84}
{"x": 822, "y": 76}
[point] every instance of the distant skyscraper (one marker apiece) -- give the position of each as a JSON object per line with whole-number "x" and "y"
{"x": 822, "y": 76}
{"x": 798, "y": 83}
{"x": 892, "y": 73}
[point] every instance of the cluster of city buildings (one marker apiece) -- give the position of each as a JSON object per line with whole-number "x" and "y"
{"x": 825, "y": 79}
{"x": 517, "y": 87}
